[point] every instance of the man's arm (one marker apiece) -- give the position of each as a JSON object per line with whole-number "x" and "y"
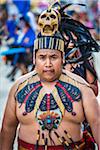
{"x": 92, "y": 81}
{"x": 92, "y": 111}
{"x": 10, "y": 123}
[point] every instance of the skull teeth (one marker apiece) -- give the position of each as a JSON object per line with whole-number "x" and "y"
{"x": 48, "y": 28}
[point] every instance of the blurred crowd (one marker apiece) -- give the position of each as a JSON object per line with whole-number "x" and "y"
{"x": 18, "y": 30}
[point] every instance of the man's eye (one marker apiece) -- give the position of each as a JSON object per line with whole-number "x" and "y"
{"x": 54, "y": 57}
{"x": 42, "y": 57}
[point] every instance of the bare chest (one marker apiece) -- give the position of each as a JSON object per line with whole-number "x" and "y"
{"x": 31, "y": 118}
{"x": 34, "y": 105}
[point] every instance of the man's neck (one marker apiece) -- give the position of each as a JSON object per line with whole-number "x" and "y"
{"x": 48, "y": 86}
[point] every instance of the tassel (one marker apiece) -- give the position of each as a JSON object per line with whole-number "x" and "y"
{"x": 59, "y": 138}
{"x": 65, "y": 141}
{"x": 62, "y": 141}
{"x": 68, "y": 136}
{"x": 37, "y": 140}
{"x": 52, "y": 141}
{"x": 43, "y": 140}
{"x": 46, "y": 144}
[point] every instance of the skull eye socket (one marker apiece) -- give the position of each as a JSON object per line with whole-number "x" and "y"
{"x": 43, "y": 16}
{"x": 40, "y": 24}
{"x": 53, "y": 16}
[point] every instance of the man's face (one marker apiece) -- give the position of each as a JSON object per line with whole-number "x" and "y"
{"x": 49, "y": 64}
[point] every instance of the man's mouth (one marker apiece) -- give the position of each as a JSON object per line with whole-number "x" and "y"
{"x": 48, "y": 70}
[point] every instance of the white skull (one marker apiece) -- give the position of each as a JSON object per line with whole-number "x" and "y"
{"x": 48, "y": 22}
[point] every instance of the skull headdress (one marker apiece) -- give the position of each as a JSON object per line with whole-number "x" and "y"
{"x": 49, "y": 36}
{"x": 48, "y": 22}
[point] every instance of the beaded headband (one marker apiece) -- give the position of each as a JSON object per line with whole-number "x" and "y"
{"x": 49, "y": 42}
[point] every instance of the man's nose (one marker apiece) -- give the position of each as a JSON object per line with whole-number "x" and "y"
{"x": 48, "y": 62}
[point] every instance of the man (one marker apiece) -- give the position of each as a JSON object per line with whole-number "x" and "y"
{"x": 50, "y": 104}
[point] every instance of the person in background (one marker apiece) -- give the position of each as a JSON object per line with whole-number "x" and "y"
{"x": 25, "y": 39}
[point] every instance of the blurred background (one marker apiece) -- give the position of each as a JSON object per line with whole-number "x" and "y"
{"x": 18, "y": 29}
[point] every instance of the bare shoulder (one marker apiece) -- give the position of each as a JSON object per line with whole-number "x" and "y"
{"x": 23, "y": 80}
{"x": 25, "y": 77}
{"x": 84, "y": 87}
{"x": 74, "y": 78}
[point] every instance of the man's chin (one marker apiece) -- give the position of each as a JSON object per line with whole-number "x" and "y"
{"x": 49, "y": 79}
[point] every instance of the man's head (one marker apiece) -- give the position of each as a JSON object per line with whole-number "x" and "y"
{"x": 49, "y": 51}
{"x": 49, "y": 64}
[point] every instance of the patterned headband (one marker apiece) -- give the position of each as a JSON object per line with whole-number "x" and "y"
{"x": 49, "y": 42}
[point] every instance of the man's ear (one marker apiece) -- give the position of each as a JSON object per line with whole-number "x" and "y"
{"x": 63, "y": 58}
{"x": 34, "y": 57}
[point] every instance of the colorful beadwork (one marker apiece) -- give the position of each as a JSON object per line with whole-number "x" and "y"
{"x": 49, "y": 108}
{"x": 49, "y": 119}
{"x": 68, "y": 94}
{"x": 28, "y": 95}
